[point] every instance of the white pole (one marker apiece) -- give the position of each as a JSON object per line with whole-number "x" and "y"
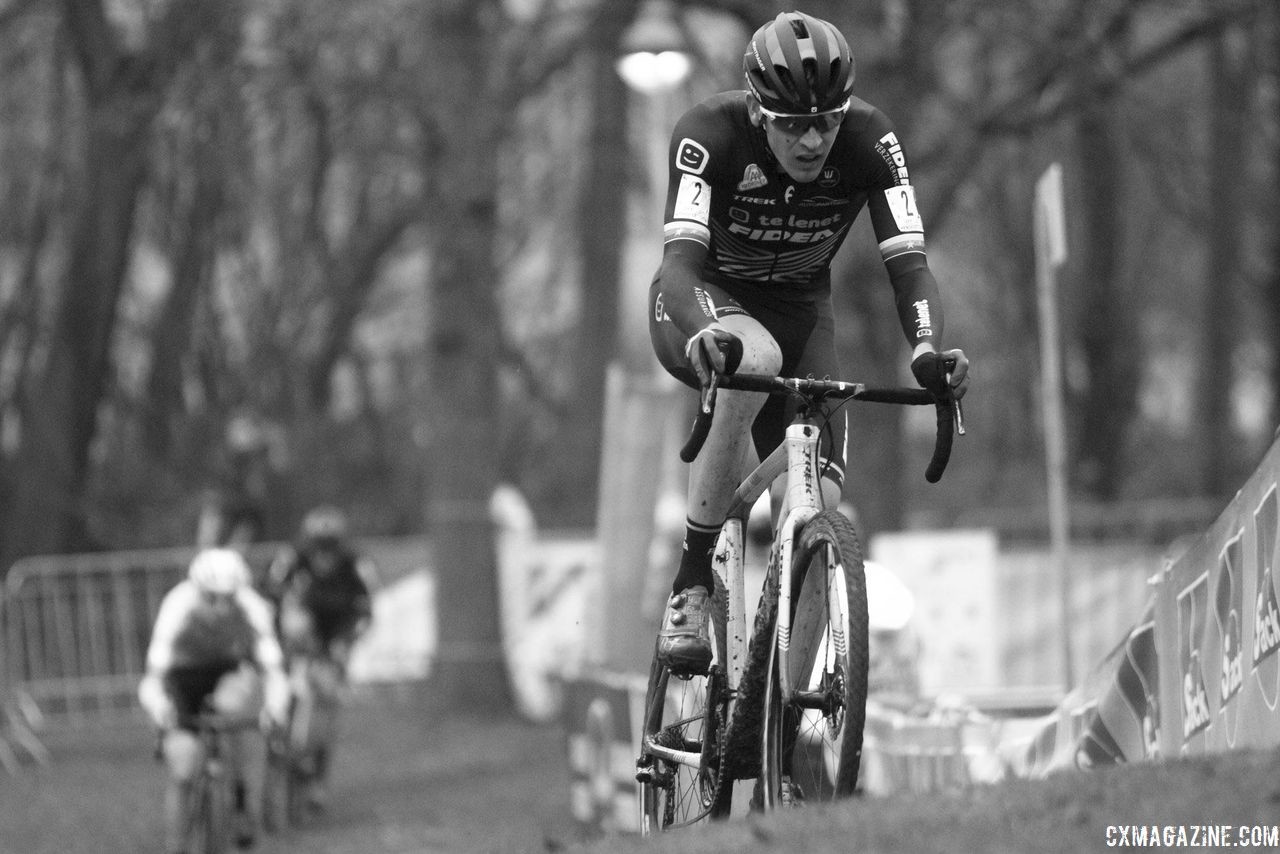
{"x": 1051, "y": 253}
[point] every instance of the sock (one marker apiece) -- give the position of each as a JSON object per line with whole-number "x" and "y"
{"x": 695, "y": 557}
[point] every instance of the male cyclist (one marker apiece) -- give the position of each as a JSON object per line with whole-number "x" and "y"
{"x": 321, "y": 587}
{"x": 213, "y": 648}
{"x": 764, "y": 186}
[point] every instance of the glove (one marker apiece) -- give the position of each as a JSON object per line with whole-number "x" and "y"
{"x": 713, "y": 350}
{"x": 931, "y": 372}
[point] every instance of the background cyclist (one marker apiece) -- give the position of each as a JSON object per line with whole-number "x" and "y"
{"x": 764, "y": 186}
{"x": 321, "y": 586}
{"x": 213, "y": 639}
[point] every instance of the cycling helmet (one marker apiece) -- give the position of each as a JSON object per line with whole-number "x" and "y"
{"x": 798, "y": 64}
{"x": 218, "y": 570}
{"x": 324, "y": 523}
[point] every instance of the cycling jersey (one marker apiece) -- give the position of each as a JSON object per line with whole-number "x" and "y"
{"x": 735, "y": 219}
{"x": 742, "y": 237}
{"x": 326, "y": 581}
{"x": 191, "y": 632}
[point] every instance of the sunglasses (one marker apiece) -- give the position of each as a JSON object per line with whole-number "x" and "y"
{"x": 796, "y": 124}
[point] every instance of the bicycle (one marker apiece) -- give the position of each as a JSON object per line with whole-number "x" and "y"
{"x": 207, "y": 806}
{"x": 295, "y": 751}
{"x": 786, "y": 702}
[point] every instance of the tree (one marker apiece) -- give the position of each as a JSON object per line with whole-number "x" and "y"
{"x": 122, "y": 88}
{"x": 462, "y": 358}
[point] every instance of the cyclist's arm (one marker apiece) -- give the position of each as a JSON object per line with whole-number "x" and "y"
{"x": 267, "y": 654}
{"x": 278, "y": 573}
{"x": 173, "y": 616}
{"x": 682, "y": 284}
{"x": 919, "y": 306}
{"x": 899, "y": 228}
{"x": 174, "y": 612}
{"x": 266, "y": 647}
{"x": 693, "y": 168}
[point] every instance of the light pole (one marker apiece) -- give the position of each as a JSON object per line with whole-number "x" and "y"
{"x": 654, "y": 61}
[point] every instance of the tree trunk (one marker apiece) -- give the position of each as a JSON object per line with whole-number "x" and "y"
{"x": 1230, "y": 94}
{"x": 59, "y": 412}
{"x": 601, "y": 226}
{"x": 470, "y": 669}
{"x": 1270, "y": 55}
{"x": 1106, "y": 312}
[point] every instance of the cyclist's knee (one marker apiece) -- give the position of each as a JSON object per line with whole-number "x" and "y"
{"x": 183, "y": 754}
{"x": 761, "y": 353}
{"x": 238, "y": 695}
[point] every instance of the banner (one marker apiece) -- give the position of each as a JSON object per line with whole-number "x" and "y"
{"x": 1218, "y": 628}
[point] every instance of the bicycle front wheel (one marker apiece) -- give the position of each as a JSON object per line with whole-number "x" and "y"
{"x": 811, "y": 745}
{"x": 209, "y": 815}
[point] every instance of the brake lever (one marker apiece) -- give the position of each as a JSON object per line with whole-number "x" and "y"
{"x": 956, "y": 409}
{"x": 709, "y": 393}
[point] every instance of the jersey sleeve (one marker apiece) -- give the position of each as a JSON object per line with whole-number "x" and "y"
{"x": 260, "y": 616}
{"x": 899, "y": 230}
{"x": 175, "y": 610}
{"x": 698, "y": 143}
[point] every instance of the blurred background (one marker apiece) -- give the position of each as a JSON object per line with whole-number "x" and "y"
{"x": 267, "y": 254}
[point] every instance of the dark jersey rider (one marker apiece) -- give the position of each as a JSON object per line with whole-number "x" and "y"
{"x": 765, "y": 184}
{"x": 322, "y": 594}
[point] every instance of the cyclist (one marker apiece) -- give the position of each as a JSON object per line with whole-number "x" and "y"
{"x": 764, "y": 185}
{"x": 321, "y": 586}
{"x": 213, "y": 646}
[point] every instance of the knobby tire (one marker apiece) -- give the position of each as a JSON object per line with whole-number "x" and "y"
{"x": 811, "y": 750}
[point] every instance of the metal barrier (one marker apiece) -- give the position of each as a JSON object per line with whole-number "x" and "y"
{"x": 76, "y": 629}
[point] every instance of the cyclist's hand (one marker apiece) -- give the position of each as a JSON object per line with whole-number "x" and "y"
{"x": 713, "y": 350}
{"x": 931, "y": 371}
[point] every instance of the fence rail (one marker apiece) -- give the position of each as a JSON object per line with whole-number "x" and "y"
{"x": 76, "y": 629}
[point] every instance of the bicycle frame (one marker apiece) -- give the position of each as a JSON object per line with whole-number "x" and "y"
{"x": 795, "y": 460}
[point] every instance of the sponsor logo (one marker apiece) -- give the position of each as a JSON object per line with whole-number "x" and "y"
{"x": 1267, "y": 630}
{"x": 754, "y": 200}
{"x": 891, "y": 150}
{"x": 691, "y": 156}
{"x": 790, "y": 191}
{"x": 705, "y": 302}
{"x": 659, "y": 310}
{"x": 924, "y": 322}
{"x": 752, "y": 178}
{"x": 1266, "y": 613}
{"x": 829, "y": 178}
{"x": 794, "y": 228}
{"x": 1227, "y": 609}
{"x": 1192, "y": 604}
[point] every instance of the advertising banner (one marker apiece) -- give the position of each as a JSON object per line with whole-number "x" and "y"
{"x": 1218, "y": 629}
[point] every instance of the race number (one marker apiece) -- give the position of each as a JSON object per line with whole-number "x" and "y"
{"x": 693, "y": 199}
{"x": 902, "y": 203}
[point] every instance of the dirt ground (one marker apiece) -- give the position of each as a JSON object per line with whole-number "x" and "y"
{"x": 415, "y": 783}
{"x": 404, "y": 782}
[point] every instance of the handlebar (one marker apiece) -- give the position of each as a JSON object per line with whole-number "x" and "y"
{"x": 949, "y": 414}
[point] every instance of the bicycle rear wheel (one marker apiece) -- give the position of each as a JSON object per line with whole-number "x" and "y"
{"x": 678, "y": 770}
{"x": 811, "y": 746}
